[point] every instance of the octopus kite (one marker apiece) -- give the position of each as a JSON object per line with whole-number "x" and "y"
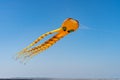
{"x": 68, "y": 26}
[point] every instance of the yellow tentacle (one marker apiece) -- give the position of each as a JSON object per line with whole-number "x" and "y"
{"x": 38, "y": 49}
{"x": 41, "y": 37}
{"x": 26, "y": 50}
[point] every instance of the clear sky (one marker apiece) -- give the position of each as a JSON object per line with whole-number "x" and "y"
{"x": 93, "y": 51}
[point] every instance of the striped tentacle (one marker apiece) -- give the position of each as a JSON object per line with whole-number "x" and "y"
{"x": 27, "y": 49}
{"x": 41, "y": 37}
{"x": 34, "y": 51}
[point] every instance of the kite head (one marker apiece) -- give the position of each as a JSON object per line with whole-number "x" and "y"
{"x": 69, "y": 25}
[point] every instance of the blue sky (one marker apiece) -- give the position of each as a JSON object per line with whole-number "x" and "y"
{"x": 90, "y": 52}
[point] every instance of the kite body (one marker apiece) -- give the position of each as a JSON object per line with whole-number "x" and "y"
{"x": 68, "y": 26}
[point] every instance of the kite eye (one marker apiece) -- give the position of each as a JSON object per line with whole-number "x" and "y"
{"x": 70, "y": 31}
{"x": 64, "y": 28}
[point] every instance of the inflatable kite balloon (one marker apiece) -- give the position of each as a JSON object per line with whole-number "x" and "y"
{"x": 68, "y": 26}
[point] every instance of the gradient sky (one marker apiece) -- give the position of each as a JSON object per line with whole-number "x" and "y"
{"x": 93, "y": 51}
